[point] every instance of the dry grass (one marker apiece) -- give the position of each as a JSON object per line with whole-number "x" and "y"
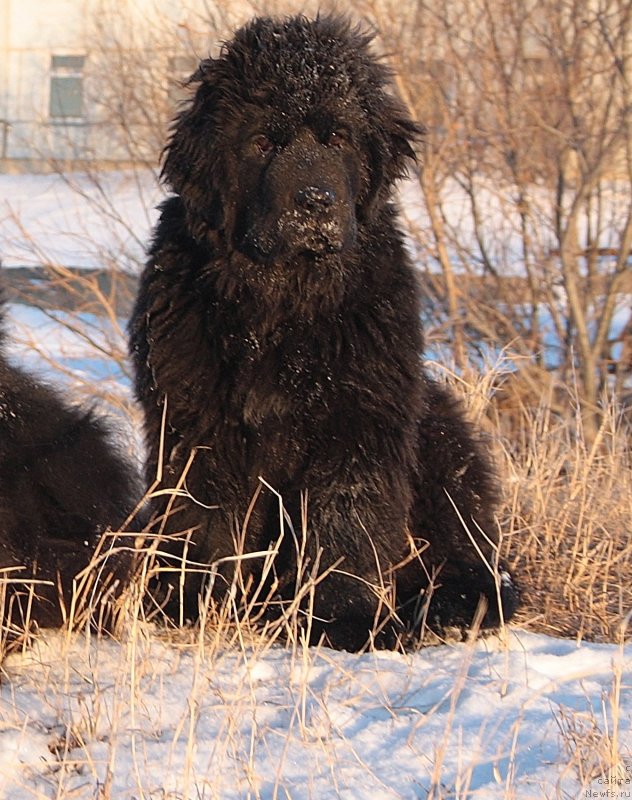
{"x": 567, "y": 524}
{"x": 565, "y": 517}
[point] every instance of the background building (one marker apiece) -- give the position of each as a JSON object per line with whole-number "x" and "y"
{"x": 78, "y": 76}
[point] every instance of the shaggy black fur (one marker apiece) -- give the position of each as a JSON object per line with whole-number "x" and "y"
{"x": 276, "y": 334}
{"x": 61, "y": 485}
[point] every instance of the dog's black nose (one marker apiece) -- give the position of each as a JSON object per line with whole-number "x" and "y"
{"x": 313, "y": 198}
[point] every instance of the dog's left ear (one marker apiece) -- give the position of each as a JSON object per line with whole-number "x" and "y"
{"x": 393, "y": 144}
{"x": 191, "y": 163}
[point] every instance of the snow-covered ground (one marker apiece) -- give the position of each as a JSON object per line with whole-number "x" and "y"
{"x": 44, "y": 342}
{"x": 77, "y": 221}
{"x": 526, "y": 717}
{"x": 532, "y": 718}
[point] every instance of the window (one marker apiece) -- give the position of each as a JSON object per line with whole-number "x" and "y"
{"x": 66, "y": 87}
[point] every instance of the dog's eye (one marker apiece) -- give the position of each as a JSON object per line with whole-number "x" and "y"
{"x": 263, "y": 144}
{"x": 338, "y": 138}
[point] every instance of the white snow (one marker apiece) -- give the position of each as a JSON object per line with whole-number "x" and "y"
{"x": 29, "y": 327}
{"x": 78, "y": 220}
{"x": 41, "y": 341}
{"x": 150, "y": 719}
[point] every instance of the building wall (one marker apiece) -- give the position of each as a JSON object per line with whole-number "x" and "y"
{"x": 33, "y": 31}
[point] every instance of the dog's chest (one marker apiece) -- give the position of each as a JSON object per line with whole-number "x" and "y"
{"x": 280, "y": 378}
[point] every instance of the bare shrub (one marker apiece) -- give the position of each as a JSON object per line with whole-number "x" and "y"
{"x": 526, "y": 226}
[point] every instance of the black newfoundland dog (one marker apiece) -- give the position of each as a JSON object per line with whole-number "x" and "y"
{"x": 62, "y": 484}
{"x": 277, "y": 336}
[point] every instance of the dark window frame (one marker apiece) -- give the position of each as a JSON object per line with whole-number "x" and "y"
{"x": 66, "y": 99}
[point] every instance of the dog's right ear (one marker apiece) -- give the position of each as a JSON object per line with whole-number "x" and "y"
{"x": 392, "y": 144}
{"x": 191, "y": 163}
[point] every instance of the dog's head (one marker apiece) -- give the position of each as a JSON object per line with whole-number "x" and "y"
{"x": 291, "y": 139}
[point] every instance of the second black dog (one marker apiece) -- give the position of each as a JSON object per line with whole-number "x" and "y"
{"x": 62, "y": 484}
